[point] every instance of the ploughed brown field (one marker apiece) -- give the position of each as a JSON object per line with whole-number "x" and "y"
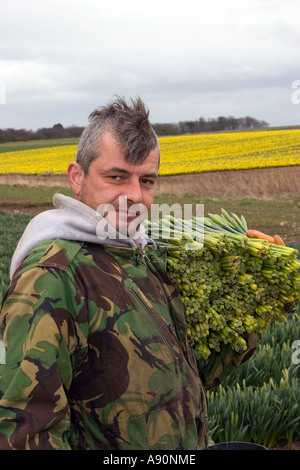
{"x": 265, "y": 183}
{"x": 269, "y": 198}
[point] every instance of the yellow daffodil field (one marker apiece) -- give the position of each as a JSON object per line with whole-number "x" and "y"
{"x": 229, "y": 151}
{"x": 179, "y": 154}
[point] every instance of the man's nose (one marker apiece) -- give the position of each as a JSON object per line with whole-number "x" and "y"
{"x": 134, "y": 191}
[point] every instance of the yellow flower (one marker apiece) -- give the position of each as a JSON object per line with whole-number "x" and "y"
{"x": 229, "y": 151}
{"x": 180, "y": 154}
{"x": 38, "y": 161}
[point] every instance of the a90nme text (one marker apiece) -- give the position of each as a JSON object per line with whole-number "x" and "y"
{"x": 150, "y": 459}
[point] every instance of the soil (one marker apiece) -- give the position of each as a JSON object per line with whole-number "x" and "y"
{"x": 283, "y": 445}
{"x": 262, "y": 183}
{"x": 24, "y": 207}
{"x": 269, "y": 197}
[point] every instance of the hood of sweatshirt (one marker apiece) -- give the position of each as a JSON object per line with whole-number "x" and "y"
{"x": 70, "y": 220}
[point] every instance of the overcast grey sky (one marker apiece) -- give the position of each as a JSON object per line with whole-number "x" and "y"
{"x": 60, "y": 59}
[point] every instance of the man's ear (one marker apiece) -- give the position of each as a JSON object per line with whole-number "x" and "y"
{"x": 76, "y": 177}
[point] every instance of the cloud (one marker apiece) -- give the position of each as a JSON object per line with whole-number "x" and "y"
{"x": 185, "y": 59}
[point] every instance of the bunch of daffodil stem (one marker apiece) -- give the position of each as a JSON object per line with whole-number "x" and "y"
{"x": 230, "y": 285}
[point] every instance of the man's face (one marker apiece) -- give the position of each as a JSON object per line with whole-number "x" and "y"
{"x": 111, "y": 180}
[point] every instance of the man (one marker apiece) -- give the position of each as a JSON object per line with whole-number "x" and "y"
{"x": 97, "y": 355}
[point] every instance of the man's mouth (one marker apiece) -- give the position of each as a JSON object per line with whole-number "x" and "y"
{"x": 125, "y": 214}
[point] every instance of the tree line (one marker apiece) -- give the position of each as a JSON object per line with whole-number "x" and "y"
{"x": 183, "y": 127}
{"x": 221, "y": 123}
{"x": 55, "y": 132}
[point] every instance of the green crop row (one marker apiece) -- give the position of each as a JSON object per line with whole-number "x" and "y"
{"x": 11, "y": 228}
{"x": 260, "y": 401}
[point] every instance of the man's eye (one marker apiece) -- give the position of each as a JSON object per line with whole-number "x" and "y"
{"x": 115, "y": 177}
{"x": 147, "y": 182}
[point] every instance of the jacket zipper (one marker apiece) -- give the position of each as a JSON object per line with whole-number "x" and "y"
{"x": 204, "y": 414}
{"x": 158, "y": 329}
{"x": 144, "y": 255}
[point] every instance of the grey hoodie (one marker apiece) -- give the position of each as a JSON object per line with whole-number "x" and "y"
{"x": 70, "y": 220}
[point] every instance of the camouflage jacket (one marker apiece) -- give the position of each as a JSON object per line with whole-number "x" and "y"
{"x": 97, "y": 354}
